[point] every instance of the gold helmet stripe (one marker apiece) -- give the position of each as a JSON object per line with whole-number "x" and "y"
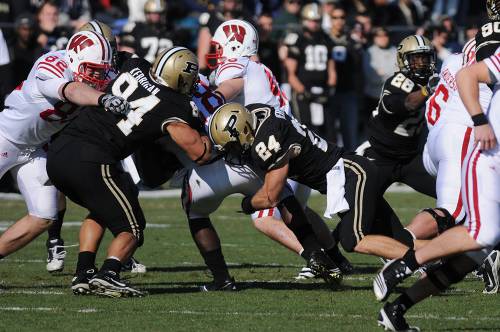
{"x": 166, "y": 56}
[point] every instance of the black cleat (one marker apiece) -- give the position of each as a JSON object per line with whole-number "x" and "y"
{"x": 389, "y": 277}
{"x": 344, "y": 265}
{"x": 227, "y": 285}
{"x": 323, "y": 266}
{"x": 80, "y": 282}
{"x": 391, "y": 318}
{"x": 108, "y": 283}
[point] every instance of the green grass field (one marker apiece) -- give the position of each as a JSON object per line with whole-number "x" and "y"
{"x": 270, "y": 299}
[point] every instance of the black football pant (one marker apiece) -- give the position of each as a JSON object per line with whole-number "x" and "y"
{"x": 104, "y": 189}
{"x": 369, "y": 212}
{"x": 410, "y": 172}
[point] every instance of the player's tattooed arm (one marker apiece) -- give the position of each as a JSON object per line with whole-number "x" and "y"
{"x": 198, "y": 148}
{"x": 468, "y": 79}
{"x": 270, "y": 193}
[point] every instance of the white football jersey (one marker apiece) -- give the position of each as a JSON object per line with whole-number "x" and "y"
{"x": 260, "y": 85}
{"x": 445, "y": 105}
{"x": 34, "y": 111}
{"x": 493, "y": 113}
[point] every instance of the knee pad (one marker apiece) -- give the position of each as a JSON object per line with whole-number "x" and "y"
{"x": 196, "y": 225}
{"x": 443, "y": 223}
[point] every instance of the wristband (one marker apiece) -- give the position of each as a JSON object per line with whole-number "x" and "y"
{"x": 479, "y": 119}
{"x": 204, "y": 151}
{"x": 64, "y": 89}
{"x": 424, "y": 91}
{"x": 246, "y": 205}
{"x": 99, "y": 100}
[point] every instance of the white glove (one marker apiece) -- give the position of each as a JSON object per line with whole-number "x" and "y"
{"x": 114, "y": 104}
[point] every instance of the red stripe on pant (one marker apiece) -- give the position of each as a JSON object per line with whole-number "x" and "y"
{"x": 465, "y": 145}
{"x": 475, "y": 195}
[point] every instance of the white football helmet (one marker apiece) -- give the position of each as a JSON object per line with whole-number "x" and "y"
{"x": 90, "y": 58}
{"x": 232, "y": 39}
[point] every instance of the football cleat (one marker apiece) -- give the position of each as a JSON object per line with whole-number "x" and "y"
{"x": 108, "y": 283}
{"x": 389, "y": 277}
{"x": 344, "y": 265}
{"x": 391, "y": 318}
{"x": 227, "y": 285}
{"x": 80, "y": 282}
{"x": 134, "y": 266}
{"x": 490, "y": 268}
{"x": 55, "y": 255}
{"x": 321, "y": 265}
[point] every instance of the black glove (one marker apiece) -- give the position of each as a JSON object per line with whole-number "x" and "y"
{"x": 246, "y": 205}
{"x": 432, "y": 83}
{"x": 114, "y": 104}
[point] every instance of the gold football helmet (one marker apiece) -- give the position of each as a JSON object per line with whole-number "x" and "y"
{"x": 231, "y": 128}
{"x": 493, "y": 9}
{"x": 176, "y": 68}
{"x": 102, "y": 29}
{"x": 155, "y": 6}
{"x": 311, "y": 11}
{"x": 416, "y": 58}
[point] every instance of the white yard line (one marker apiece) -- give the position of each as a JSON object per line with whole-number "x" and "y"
{"x": 29, "y": 292}
{"x": 169, "y": 193}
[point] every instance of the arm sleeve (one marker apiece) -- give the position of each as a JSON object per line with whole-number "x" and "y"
{"x": 49, "y": 86}
{"x": 230, "y": 70}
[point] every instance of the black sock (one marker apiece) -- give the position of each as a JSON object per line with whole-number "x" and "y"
{"x": 334, "y": 253}
{"x": 404, "y": 301}
{"x": 310, "y": 244}
{"x": 112, "y": 264}
{"x": 410, "y": 260}
{"x": 86, "y": 261}
{"x": 2, "y": 256}
{"x": 217, "y": 265}
{"x": 55, "y": 229}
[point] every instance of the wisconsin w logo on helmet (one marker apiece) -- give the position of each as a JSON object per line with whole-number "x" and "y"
{"x": 234, "y": 32}
{"x": 79, "y": 43}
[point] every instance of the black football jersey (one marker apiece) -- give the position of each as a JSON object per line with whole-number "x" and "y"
{"x": 393, "y": 130}
{"x": 148, "y": 40}
{"x": 312, "y": 55}
{"x": 487, "y": 39}
{"x": 280, "y": 139}
{"x": 153, "y": 106}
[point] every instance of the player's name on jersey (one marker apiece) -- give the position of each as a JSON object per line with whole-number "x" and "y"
{"x": 141, "y": 78}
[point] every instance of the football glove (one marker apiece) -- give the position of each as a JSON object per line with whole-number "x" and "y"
{"x": 114, "y": 104}
{"x": 432, "y": 83}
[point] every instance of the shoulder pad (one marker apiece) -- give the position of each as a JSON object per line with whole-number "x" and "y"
{"x": 231, "y": 68}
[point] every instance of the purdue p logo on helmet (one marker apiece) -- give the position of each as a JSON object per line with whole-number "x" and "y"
{"x": 176, "y": 68}
{"x": 231, "y": 126}
{"x": 416, "y": 58}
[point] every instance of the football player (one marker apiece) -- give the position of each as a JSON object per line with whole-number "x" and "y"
{"x": 395, "y": 128}
{"x": 481, "y": 197}
{"x": 39, "y": 107}
{"x": 55, "y": 244}
{"x": 95, "y": 143}
{"x": 237, "y": 77}
{"x": 147, "y": 39}
{"x": 281, "y": 147}
{"x": 310, "y": 68}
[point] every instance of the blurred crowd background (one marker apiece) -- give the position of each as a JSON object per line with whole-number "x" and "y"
{"x": 364, "y": 34}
